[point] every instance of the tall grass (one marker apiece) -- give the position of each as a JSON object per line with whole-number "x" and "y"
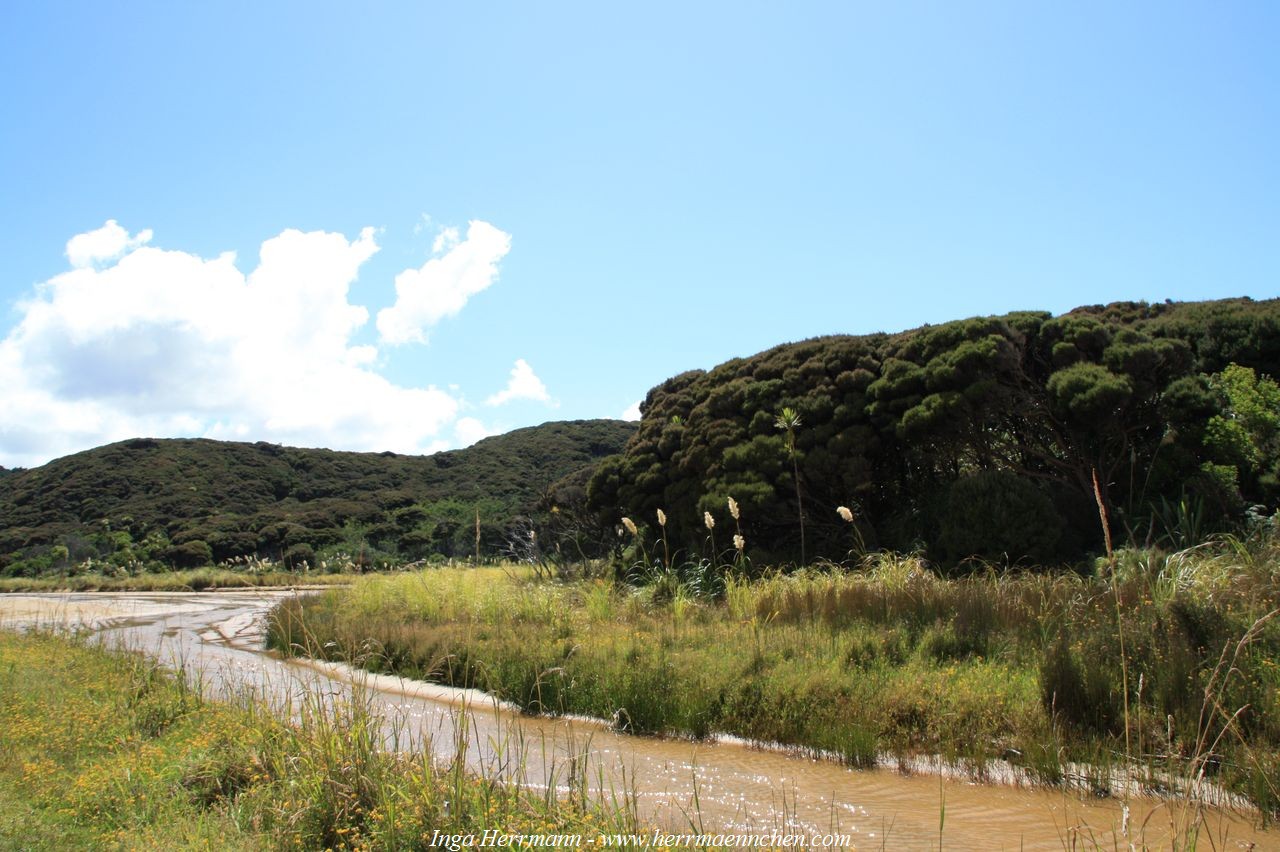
{"x": 890, "y": 659}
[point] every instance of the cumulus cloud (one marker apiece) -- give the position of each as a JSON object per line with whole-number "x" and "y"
{"x": 136, "y": 340}
{"x": 523, "y": 384}
{"x": 441, "y": 286}
{"x": 633, "y": 411}
{"x": 468, "y": 430}
{"x": 108, "y": 242}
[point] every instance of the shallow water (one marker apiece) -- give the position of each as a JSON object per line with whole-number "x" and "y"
{"x": 217, "y": 638}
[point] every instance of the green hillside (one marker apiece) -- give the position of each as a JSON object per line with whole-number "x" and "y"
{"x": 187, "y": 501}
{"x": 979, "y": 437}
{"x": 974, "y": 438}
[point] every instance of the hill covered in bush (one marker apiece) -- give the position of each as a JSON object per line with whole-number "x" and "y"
{"x": 187, "y": 502}
{"x": 980, "y": 437}
{"x": 975, "y": 438}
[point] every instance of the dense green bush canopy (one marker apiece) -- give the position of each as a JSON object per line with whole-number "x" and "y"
{"x": 185, "y": 502}
{"x": 1168, "y": 403}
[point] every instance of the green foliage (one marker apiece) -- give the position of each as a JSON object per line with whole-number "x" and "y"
{"x": 190, "y": 554}
{"x": 1245, "y": 434}
{"x": 998, "y": 517}
{"x": 892, "y": 422}
{"x": 726, "y": 444}
{"x": 1086, "y": 393}
{"x": 300, "y": 556}
{"x": 161, "y": 497}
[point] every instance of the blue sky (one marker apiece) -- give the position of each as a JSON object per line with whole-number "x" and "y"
{"x": 581, "y": 200}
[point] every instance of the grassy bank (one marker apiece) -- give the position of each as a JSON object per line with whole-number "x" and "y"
{"x": 103, "y": 750}
{"x": 195, "y": 579}
{"x": 1168, "y": 665}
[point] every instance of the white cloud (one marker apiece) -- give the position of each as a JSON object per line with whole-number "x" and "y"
{"x": 523, "y": 384}
{"x": 165, "y": 343}
{"x": 445, "y": 240}
{"x": 468, "y": 430}
{"x": 633, "y": 411}
{"x": 442, "y": 286}
{"x": 108, "y": 242}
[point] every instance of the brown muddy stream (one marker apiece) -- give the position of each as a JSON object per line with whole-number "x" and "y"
{"x": 217, "y": 637}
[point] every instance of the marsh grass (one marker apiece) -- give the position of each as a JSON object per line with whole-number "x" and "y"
{"x": 993, "y": 672}
{"x": 105, "y": 750}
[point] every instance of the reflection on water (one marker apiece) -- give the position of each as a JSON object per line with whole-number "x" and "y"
{"x": 217, "y": 639}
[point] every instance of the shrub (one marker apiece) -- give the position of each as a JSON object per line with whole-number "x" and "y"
{"x": 190, "y": 554}
{"x": 299, "y": 556}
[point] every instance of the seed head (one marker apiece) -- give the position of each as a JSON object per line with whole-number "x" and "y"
{"x": 733, "y": 508}
{"x": 631, "y": 526}
{"x": 739, "y": 543}
{"x": 845, "y": 512}
{"x": 662, "y": 518}
{"x": 708, "y": 520}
